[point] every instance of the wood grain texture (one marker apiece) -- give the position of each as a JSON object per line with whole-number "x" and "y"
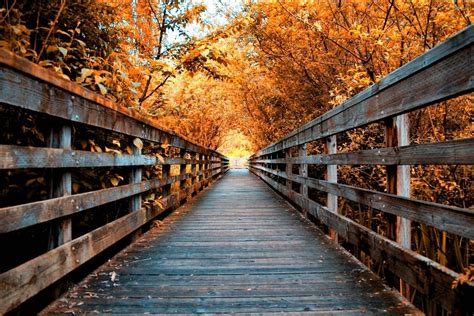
{"x": 453, "y": 152}
{"x": 441, "y": 73}
{"x": 24, "y": 215}
{"x": 19, "y": 157}
{"x": 26, "y": 280}
{"x": 452, "y": 219}
{"x": 202, "y": 259}
{"x": 30, "y": 86}
{"x": 427, "y": 276}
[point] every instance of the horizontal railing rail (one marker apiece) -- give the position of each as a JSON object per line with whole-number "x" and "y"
{"x": 180, "y": 168}
{"x": 442, "y": 73}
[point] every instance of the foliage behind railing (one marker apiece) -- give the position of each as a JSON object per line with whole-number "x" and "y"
{"x": 96, "y": 173}
{"x": 442, "y": 73}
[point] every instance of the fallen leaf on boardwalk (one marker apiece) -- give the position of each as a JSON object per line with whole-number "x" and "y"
{"x": 113, "y": 276}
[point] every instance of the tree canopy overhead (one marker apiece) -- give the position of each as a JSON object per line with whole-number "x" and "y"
{"x": 256, "y": 69}
{"x": 238, "y": 76}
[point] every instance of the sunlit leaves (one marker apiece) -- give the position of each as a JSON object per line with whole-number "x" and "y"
{"x": 138, "y": 143}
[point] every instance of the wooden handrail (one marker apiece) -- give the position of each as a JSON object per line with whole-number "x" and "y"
{"x": 29, "y": 87}
{"x": 442, "y": 73}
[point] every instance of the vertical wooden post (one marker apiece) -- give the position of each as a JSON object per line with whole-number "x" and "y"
{"x": 288, "y": 168}
{"x": 182, "y": 172}
{"x": 194, "y": 156}
{"x": 205, "y": 174}
{"x": 303, "y": 171}
{"x": 165, "y": 173}
{"x": 135, "y": 176}
{"x": 331, "y": 176}
{"x": 60, "y": 185}
{"x": 403, "y": 189}
{"x": 201, "y": 170}
{"x": 391, "y": 141}
{"x": 398, "y": 182}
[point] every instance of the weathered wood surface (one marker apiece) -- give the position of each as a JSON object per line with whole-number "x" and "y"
{"x": 24, "y": 215}
{"x": 236, "y": 248}
{"x": 443, "y": 72}
{"x": 29, "y": 86}
{"x": 26, "y": 280}
{"x": 452, "y": 219}
{"x": 26, "y": 85}
{"x": 455, "y": 152}
{"x": 425, "y": 275}
{"x": 18, "y": 157}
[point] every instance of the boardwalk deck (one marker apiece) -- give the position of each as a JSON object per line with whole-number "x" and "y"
{"x": 237, "y": 248}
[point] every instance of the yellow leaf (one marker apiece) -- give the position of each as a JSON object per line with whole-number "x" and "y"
{"x": 97, "y": 149}
{"x": 63, "y": 51}
{"x": 138, "y": 143}
{"x": 160, "y": 203}
{"x": 99, "y": 79}
{"x": 160, "y": 158}
{"x": 51, "y": 48}
{"x": 103, "y": 89}
{"x": 114, "y": 181}
{"x": 86, "y": 72}
{"x": 116, "y": 142}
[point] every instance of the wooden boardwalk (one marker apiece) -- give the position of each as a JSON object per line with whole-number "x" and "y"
{"x": 236, "y": 248}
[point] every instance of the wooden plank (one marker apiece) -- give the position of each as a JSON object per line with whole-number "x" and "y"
{"x": 331, "y": 176}
{"x": 303, "y": 171}
{"x": 41, "y": 90}
{"x": 391, "y": 140}
{"x": 135, "y": 176}
{"x": 452, "y": 219}
{"x": 450, "y": 46}
{"x": 19, "y": 157}
{"x": 288, "y": 167}
{"x": 403, "y": 225}
{"x": 454, "y": 152}
{"x": 22, "y": 282}
{"x": 175, "y": 269}
{"x": 28, "y": 279}
{"x": 425, "y": 275}
{"x": 439, "y": 74}
{"x": 24, "y": 215}
{"x": 60, "y": 184}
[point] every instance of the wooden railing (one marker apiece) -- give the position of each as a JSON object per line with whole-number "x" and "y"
{"x": 69, "y": 109}
{"x": 444, "y": 72}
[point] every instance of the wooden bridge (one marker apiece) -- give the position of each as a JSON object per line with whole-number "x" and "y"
{"x": 239, "y": 246}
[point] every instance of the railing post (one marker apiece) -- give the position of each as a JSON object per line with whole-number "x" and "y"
{"x": 303, "y": 171}
{"x": 135, "y": 176}
{"x": 201, "y": 171}
{"x": 391, "y": 141}
{"x": 205, "y": 171}
{"x": 165, "y": 173}
{"x": 182, "y": 172}
{"x": 331, "y": 176}
{"x": 288, "y": 168}
{"x": 194, "y": 157}
{"x": 403, "y": 189}
{"x": 398, "y": 182}
{"x": 60, "y": 185}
